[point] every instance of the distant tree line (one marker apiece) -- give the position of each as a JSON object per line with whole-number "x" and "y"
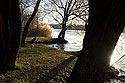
{"x": 70, "y": 27}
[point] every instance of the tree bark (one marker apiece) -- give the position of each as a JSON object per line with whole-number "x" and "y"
{"x": 64, "y": 28}
{"x": 29, "y": 21}
{"x": 9, "y": 33}
{"x": 105, "y": 24}
{"x": 62, "y": 32}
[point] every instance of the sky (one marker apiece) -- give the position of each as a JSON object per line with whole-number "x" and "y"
{"x": 47, "y": 17}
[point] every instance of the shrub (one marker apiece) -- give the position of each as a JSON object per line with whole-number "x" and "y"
{"x": 44, "y": 30}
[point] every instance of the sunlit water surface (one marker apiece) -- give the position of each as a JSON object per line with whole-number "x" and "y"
{"x": 118, "y": 56}
{"x": 75, "y": 40}
{"x": 74, "y": 37}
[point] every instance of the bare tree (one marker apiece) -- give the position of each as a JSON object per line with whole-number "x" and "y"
{"x": 29, "y": 21}
{"x": 24, "y": 5}
{"x": 65, "y": 10}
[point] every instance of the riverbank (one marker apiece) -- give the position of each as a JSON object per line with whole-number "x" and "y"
{"x": 40, "y": 64}
{"x": 45, "y": 40}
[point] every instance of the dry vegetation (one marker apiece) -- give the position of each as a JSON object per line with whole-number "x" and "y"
{"x": 44, "y": 30}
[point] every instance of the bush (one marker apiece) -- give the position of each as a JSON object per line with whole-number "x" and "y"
{"x": 44, "y": 30}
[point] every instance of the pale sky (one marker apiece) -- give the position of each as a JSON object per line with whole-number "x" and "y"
{"x": 48, "y": 18}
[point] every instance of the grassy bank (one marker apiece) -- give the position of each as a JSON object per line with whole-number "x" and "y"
{"x": 47, "y": 40}
{"x": 40, "y": 64}
{"x": 41, "y": 39}
{"x": 37, "y": 63}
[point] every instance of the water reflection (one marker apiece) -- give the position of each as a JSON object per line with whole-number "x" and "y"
{"x": 75, "y": 39}
{"x": 61, "y": 46}
{"x": 118, "y": 57}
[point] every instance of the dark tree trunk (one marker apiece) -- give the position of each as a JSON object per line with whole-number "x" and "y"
{"x": 69, "y": 5}
{"x": 29, "y": 21}
{"x": 105, "y": 24}
{"x": 64, "y": 28}
{"x": 62, "y": 32}
{"x": 9, "y": 33}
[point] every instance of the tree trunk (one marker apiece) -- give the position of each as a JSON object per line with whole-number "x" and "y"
{"x": 29, "y": 21}
{"x": 62, "y": 33}
{"x": 3, "y": 34}
{"x": 9, "y": 33}
{"x": 105, "y": 24}
{"x": 64, "y": 28}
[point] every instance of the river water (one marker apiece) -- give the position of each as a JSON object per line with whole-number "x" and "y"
{"x": 75, "y": 39}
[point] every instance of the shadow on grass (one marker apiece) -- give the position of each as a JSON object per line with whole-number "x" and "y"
{"x": 52, "y": 73}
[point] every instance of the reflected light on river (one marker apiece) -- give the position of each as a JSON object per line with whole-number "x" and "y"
{"x": 114, "y": 57}
{"x": 118, "y": 56}
{"x": 75, "y": 39}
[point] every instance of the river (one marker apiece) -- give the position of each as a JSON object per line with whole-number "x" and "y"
{"x": 75, "y": 39}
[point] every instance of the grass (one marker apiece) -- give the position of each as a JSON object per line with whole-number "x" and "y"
{"x": 40, "y": 64}
{"x": 47, "y": 40}
{"x": 42, "y": 39}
